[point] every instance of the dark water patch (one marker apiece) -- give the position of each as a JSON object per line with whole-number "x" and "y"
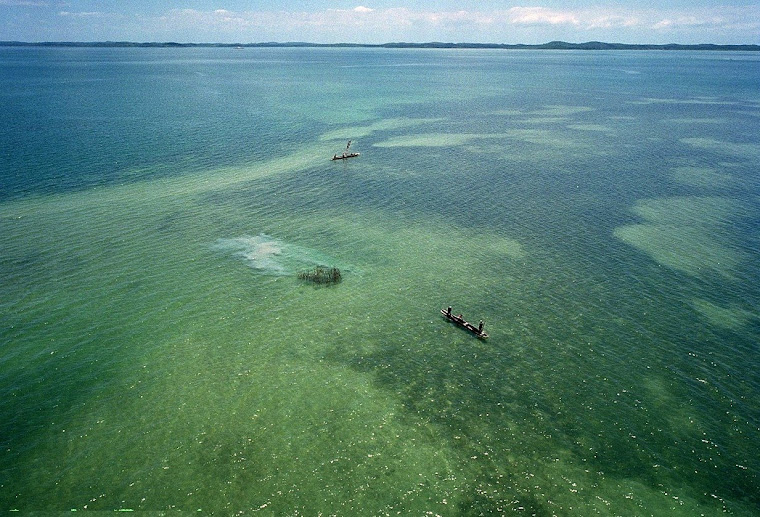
{"x": 87, "y": 129}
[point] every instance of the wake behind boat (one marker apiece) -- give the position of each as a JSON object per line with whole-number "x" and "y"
{"x": 460, "y": 321}
{"x": 345, "y": 154}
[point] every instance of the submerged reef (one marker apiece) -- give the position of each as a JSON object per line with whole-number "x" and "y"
{"x": 321, "y": 275}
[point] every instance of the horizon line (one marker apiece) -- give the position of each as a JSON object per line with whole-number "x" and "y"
{"x": 552, "y": 45}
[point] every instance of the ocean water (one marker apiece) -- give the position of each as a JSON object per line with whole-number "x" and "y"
{"x": 599, "y": 210}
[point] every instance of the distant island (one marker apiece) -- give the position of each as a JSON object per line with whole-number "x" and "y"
{"x": 552, "y": 45}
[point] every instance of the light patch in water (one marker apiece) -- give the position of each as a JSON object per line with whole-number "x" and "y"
{"x": 694, "y": 100}
{"x": 272, "y": 256}
{"x": 730, "y": 318}
{"x": 381, "y": 125}
{"x": 551, "y": 112}
{"x": 561, "y": 110}
{"x": 432, "y": 140}
{"x": 544, "y": 121}
{"x": 691, "y": 121}
{"x": 544, "y": 137}
{"x": 260, "y": 252}
{"x": 704, "y": 177}
{"x": 689, "y": 234}
{"x": 591, "y": 127}
{"x": 729, "y": 148}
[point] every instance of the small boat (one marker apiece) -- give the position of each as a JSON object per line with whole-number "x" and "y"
{"x": 345, "y": 154}
{"x": 460, "y": 321}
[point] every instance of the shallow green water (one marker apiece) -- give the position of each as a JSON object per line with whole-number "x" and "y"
{"x": 598, "y": 210}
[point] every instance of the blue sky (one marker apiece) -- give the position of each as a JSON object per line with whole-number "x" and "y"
{"x": 381, "y": 21}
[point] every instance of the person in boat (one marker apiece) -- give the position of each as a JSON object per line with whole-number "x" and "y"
{"x": 448, "y": 311}
{"x": 480, "y": 327}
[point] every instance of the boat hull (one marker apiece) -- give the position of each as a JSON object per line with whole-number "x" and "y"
{"x": 345, "y": 156}
{"x": 459, "y": 321}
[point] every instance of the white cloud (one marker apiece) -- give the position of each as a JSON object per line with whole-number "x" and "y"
{"x": 686, "y": 21}
{"x": 89, "y": 14}
{"x": 364, "y": 24}
{"x": 542, "y": 15}
{"x": 611, "y": 21}
{"x": 23, "y": 3}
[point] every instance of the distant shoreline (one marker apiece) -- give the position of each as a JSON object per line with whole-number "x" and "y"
{"x": 553, "y": 45}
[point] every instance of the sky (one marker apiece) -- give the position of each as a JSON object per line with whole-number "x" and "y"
{"x": 382, "y": 21}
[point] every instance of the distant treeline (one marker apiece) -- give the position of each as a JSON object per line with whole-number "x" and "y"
{"x": 553, "y": 45}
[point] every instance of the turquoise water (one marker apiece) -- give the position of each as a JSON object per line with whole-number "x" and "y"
{"x": 599, "y": 210}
